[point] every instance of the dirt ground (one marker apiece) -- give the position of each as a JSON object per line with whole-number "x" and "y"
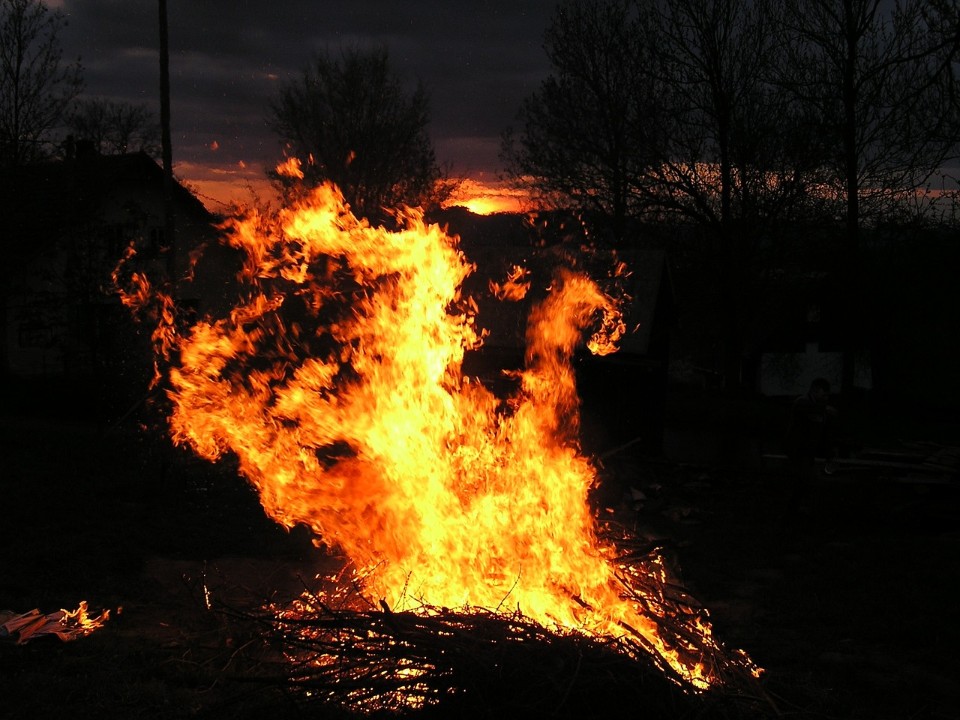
{"x": 849, "y": 605}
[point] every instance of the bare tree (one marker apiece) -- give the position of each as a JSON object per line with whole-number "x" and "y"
{"x": 350, "y": 121}
{"x": 730, "y": 161}
{"x": 735, "y": 146}
{"x": 588, "y": 138}
{"x": 36, "y": 87}
{"x": 883, "y": 83}
{"x": 884, "y": 89}
{"x": 115, "y": 127}
{"x": 666, "y": 109}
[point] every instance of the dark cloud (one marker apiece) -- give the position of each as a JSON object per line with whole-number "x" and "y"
{"x": 228, "y": 57}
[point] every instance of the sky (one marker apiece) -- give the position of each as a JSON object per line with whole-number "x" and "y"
{"x": 228, "y": 58}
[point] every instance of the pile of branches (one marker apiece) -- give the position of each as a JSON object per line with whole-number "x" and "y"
{"x": 653, "y": 583}
{"x": 334, "y": 654}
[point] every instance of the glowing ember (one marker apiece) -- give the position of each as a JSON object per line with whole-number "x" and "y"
{"x": 336, "y": 382}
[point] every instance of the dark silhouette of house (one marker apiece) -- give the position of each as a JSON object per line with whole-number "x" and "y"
{"x": 64, "y": 226}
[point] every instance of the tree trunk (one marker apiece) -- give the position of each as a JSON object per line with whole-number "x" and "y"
{"x": 729, "y": 305}
{"x": 848, "y": 269}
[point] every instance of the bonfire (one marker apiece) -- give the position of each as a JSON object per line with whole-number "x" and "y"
{"x": 336, "y": 383}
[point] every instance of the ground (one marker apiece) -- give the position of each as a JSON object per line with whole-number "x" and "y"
{"x": 847, "y": 604}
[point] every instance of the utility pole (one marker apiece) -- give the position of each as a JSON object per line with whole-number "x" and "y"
{"x": 167, "y": 151}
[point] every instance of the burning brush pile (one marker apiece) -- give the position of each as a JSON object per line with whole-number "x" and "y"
{"x": 474, "y": 562}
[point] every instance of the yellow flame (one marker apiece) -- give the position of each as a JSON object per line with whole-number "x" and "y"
{"x": 290, "y": 167}
{"x": 355, "y": 420}
{"x": 515, "y": 287}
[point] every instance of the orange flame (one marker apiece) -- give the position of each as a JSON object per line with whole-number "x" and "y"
{"x": 291, "y": 167}
{"x": 81, "y": 622}
{"x": 65, "y": 624}
{"x": 515, "y": 287}
{"x": 138, "y": 293}
{"x": 355, "y": 420}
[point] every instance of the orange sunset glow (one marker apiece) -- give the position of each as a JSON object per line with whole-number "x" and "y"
{"x": 486, "y": 197}
{"x": 224, "y": 187}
